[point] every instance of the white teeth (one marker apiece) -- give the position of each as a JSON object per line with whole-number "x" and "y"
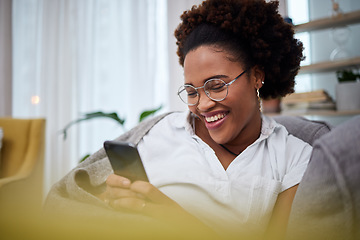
{"x": 215, "y": 118}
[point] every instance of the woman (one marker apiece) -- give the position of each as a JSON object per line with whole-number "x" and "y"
{"x": 223, "y": 161}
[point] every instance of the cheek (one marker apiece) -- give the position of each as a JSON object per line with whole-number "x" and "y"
{"x": 193, "y": 110}
{"x": 243, "y": 102}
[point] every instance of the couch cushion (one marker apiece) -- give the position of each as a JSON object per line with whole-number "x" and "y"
{"x": 303, "y": 128}
{"x": 327, "y": 202}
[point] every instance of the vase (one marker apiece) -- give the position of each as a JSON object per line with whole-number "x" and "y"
{"x": 348, "y": 96}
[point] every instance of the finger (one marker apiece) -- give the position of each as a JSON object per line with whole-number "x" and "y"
{"x": 134, "y": 204}
{"x": 115, "y": 192}
{"x": 159, "y": 211}
{"x": 138, "y": 205}
{"x": 151, "y": 192}
{"x": 114, "y": 180}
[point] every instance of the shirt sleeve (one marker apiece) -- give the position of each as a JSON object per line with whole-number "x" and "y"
{"x": 297, "y": 157}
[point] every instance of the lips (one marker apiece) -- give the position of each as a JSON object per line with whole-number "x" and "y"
{"x": 214, "y": 120}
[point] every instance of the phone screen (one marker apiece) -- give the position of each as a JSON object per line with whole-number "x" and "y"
{"x": 125, "y": 160}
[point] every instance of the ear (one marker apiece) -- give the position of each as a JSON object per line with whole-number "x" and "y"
{"x": 258, "y": 76}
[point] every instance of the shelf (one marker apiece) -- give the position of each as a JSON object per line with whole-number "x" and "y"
{"x": 330, "y": 66}
{"x": 327, "y": 113}
{"x": 338, "y": 21}
{"x": 327, "y": 66}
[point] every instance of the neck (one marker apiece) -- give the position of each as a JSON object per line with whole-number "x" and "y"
{"x": 235, "y": 154}
{"x": 249, "y": 135}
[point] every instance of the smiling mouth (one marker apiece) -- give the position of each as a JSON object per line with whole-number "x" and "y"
{"x": 215, "y": 118}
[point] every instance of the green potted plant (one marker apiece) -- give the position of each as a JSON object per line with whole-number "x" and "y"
{"x": 348, "y": 90}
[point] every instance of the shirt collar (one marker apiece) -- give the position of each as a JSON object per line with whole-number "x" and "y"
{"x": 183, "y": 119}
{"x": 268, "y": 125}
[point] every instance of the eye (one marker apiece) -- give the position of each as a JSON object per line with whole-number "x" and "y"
{"x": 215, "y": 85}
{"x": 191, "y": 92}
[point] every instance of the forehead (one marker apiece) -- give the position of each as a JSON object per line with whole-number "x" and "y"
{"x": 207, "y": 61}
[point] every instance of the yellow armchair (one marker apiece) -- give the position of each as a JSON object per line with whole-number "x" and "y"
{"x": 21, "y": 163}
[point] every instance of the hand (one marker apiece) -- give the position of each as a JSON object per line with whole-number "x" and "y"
{"x": 117, "y": 188}
{"x": 139, "y": 196}
{"x": 145, "y": 198}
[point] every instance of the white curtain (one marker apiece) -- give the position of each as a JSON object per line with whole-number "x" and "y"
{"x": 5, "y": 58}
{"x": 74, "y": 57}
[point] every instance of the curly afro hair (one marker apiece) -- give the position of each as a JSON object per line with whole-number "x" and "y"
{"x": 252, "y": 31}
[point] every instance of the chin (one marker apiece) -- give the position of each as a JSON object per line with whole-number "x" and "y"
{"x": 219, "y": 138}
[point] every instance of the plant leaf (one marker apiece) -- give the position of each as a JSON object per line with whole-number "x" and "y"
{"x": 347, "y": 75}
{"x": 93, "y": 115}
{"x": 84, "y": 158}
{"x": 147, "y": 113}
{"x": 113, "y": 116}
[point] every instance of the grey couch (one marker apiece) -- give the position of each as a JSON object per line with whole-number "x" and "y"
{"x": 327, "y": 203}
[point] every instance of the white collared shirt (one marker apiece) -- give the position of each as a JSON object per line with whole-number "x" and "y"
{"x": 187, "y": 170}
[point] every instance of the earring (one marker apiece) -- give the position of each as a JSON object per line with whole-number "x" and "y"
{"x": 259, "y": 99}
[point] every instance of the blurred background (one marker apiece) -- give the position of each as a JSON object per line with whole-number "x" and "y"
{"x": 61, "y": 59}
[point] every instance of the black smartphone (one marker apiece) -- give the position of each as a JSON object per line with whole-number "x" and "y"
{"x": 125, "y": 160}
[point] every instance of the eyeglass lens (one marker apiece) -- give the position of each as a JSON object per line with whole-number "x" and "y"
{"x": 215, "y": 89}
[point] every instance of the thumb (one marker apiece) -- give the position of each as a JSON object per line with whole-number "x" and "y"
{"x": 151, "y": 192}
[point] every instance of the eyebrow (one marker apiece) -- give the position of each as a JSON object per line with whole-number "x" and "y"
{"x": 212, "y": 77}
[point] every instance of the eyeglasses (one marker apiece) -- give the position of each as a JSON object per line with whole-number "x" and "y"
{"x": 215, "y": 89}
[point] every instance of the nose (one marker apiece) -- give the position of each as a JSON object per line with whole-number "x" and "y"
{"x": 205, "y": 103}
